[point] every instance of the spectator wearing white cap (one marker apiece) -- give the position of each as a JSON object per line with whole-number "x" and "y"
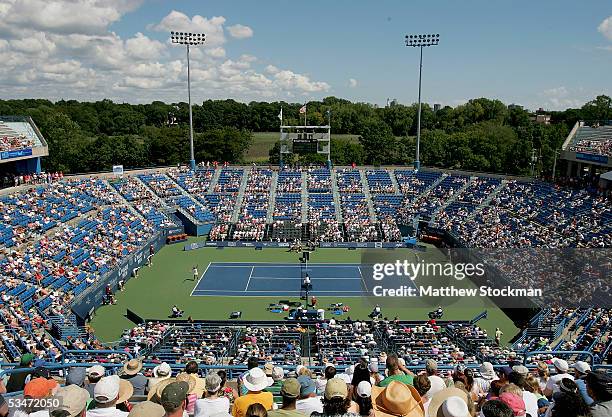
{"x": 581, "y": 369}
{"x": 212, "y": 403}
{"x": 110, "y": 391}
{"x": 561, "y": 366}
{"x": 160, "y": 372}
{"x": 94, "y": 374}
{"x": 255, "y": 381}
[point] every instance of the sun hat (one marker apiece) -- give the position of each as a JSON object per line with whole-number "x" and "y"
{"x": 486, "y": 370}
{"x": 73, "y": 399}
{"x": 268, "y": 368}
{"x": 155, "y": 393}
{"x": 162, "y": 370}
{"x": 174, "y": 394}
{"x": 582, "y": 367}
{"x": 364, "y": 389}
{"x": 307, "y": 385}
{"x": 291, "y": 388}
{"x": 436, "y": 401}
{"x": 277, "y": 373}
{"x": 132, "y": 367}
{"x": 515, "y": 402}
{"x": 256, "y": 380}
{"x": 212, "y": 382}
{"x": 397, "y": 399}
{"x": 147, "y": 409}
{"x": 190, "y": 379}
{"x": 560, "y": 364}
{"x": 95, "y": 371}
{"x": 39, "y": 388}
{"x": 335, "y": 388}
{"x": 454, "y": 407}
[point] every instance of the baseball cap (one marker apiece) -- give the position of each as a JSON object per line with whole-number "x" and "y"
{"x": 212, "y": 382}
{"x": 373, "y": 367}
{"x": 520, "y": 369}
{"x": 174, "y": 394}
{"x": 107, "y": 389}
{"x": 291, "y": 388}
{"x": 95, "y": 371}
{"x": 307, "y": 385}
{"x": 560, "y": 364}
{"x": 515, "y": 402}
{"x": 336, "y": 388}
{"x": 39, "y": 388}
{"x": 72, "y": 399}
{"x": 582, "y": 367}
{"x": 364, "y": 389}
{"x": 147, "y": 409}
{"x": 76, "y": 376}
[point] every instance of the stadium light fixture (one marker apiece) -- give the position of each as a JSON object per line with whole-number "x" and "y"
{"x": 420, "y": 41}
{"x": 189, "y": 39}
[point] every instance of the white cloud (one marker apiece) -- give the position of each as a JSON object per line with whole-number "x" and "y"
{"x": 180, "y": 22}
{"x": 240, "y": 31}
{"x": 352, "y": 82}
{"x": 72, "y": 56}
{"x": 64, "y": 16}
{"x": 559, "y": 98}
{"x": 605, "y": 28}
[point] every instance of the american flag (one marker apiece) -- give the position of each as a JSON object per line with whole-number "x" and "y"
{"x": 303, "y": 109}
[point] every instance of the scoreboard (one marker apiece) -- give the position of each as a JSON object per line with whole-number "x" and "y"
{"x": 305, "y": 146}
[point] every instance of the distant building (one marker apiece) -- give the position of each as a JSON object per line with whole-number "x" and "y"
{"x": 541, "y": 118}
{"x": 437, "y": 107}
{"x": 515, "y": 106}
{"x": 393, "y": 103}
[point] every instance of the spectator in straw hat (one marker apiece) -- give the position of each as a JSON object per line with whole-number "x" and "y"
{"x": 131, "y": 373}
{"x": 110, "y": 392}
{"x": 155, "y": 394}
{"x": 212, "y": 403}
{"x": 397, "y": 399}
{"x": 147, "y": 409}
{"x": 160, "y": 372}
{"x": 73, "y": 399}
{"x": 447, "y": 403}
{"x": 190, "y": 379}
{"x": 255, "y": 381}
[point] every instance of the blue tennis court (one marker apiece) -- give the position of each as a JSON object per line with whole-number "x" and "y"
{"x": 275, "y": 279}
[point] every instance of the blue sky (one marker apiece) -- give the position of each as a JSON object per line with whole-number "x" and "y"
{"x": 550, "y": 54}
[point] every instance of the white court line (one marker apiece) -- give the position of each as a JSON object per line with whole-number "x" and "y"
{"x": 362, "y": 279}
{"x": 249, "y": 281}
{"x": 276, "y": 265}
{"x": 312, "y": 278}
{"x": 198, "y": 283}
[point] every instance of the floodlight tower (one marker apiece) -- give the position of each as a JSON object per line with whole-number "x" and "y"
{"x": 420, "y": 41}
{"x": 189, "y": 39}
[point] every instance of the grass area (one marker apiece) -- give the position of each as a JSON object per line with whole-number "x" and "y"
{"x": 264, "y": 141}
{"x": 168, "y": 282}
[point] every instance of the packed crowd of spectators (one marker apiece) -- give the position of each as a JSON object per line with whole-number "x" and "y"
{"x": 597, "y": 147}
{"x": 15, "y": 142}
{"x": 12, "y": 180}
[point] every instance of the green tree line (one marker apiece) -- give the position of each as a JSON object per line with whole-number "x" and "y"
{"x": 482, "y": 135}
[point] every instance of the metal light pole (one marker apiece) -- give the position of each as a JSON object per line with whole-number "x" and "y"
{"x": 189, "y": 39}
{"x": 420, "y": 41}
